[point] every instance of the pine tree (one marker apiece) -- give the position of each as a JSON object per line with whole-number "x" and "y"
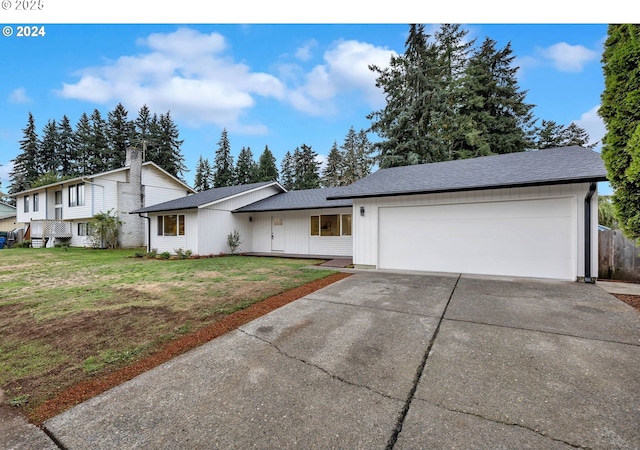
{"x": 99, "y": 145}
{"x": 164, "y": 145}
{"x": 49, "y": 160}
{"x": 548, "y": 135}
{"x": 246, "y": 171}
{"x": 333, "y": 171}
{"x": 287, "y": 172}
{"x": 267, "y": 169}
{"x": 498, "y": 120}
{"x": 25, "y": 165}
{"x": 576, "y": 135}
{"x": 621, "y": 115}
{"x": 306, "y": 168}
{"x": 66, "y": 148}
{"x": 223, "y": 162}
{"x": 410, "y": 123}
{"x": 83, "y": 164}
{"x": 203, "y": 177}
{"x": 120, "y": 133}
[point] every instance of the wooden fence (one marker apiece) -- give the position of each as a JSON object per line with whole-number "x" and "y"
{"x": 619, "y": 257}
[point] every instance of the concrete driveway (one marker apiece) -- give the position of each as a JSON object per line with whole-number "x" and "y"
{"x": 387, "y": 360}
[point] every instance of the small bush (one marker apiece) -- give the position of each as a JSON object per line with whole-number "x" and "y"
{"x": 165, "y": 255}
{"x": 182, "y": 254}
{"x": 24, "y": 244}
{"x": 139, "y": 254}
{"x": 233, "y": 241}
{"x": 153, "y": 253}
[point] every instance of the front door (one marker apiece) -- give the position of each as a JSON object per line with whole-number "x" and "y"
{"x": 277, "y": 234}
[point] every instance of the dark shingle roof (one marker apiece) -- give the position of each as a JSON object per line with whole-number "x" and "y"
{"x": 203, "y": 198}
{"x": 305, "y": 199}
{"x": 550, "y": 166}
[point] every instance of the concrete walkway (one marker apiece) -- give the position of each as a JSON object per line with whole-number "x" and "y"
{"x": 388, "y": 360}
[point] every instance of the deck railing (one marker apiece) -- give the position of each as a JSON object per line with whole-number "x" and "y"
{"x": 41, "y": 229}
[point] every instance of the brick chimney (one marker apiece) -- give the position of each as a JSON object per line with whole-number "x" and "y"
{"x": 130, "y": 198}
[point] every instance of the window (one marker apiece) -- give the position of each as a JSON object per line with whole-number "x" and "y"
{"x": 26, "y": 203}
{"x": 83, "y": 229}
{"x": 58, "y": 197}
{"x": 171, "y": 225}
{"x": 76, "y": 195}
{"x": 36, "y": 205}
{"x": 331, "y": 225}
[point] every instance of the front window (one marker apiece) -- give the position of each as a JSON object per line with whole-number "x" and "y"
{"x": 171, "y": 225}
{"x": 26, "y": 203}
{"x": 36, "y": 205}
{"x": 83, "y": 229}
{"x": 331, "y": 225}
{"x": 76, "y": 195}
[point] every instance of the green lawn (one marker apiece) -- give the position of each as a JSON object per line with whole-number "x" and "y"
{"x": 70, "y": 314}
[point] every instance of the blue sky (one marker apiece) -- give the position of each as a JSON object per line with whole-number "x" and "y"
{"x": 278, "y": 85}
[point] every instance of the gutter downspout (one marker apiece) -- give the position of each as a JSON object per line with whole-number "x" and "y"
{"x": 587, "y": 233}
{"x": 148, "y": 230}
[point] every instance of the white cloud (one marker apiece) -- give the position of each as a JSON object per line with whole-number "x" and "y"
{"x": 185, "y": 72}
{"x": 568, "y": 58}
{"x": 19, "y": 95}
{"x": 345, "y": 69}
{"x": 304, "y": 53}
{"x": 593, "y": 124}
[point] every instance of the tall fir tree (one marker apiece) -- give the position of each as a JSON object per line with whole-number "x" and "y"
{"x": 306, "y": 168}
{"x": 142, "y": 129}
{"x": 267, "y": 168}
{"x": 620, "y": 112}
{"x": 498, "y": 118}
{"x": 49, "y": 160}
{"x": 223, "y": 162}
{"x": 99, "y": 144}
{"x": 25, "y": 165}
{"x": 164, "y": 147}
{"x": 66, "y": 148}
{"x": 287, "y": 171}
{"x": 203, "y": 180}
{"x": 246, "y": 170}
{"x": 83, "y": 164}
{"x": 120, "y": 134}
{"x": 333, "y": 170}
{"x": 413, "y": 85}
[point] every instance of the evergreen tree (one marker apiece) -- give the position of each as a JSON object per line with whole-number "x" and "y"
{"x": 25, "y": 165}
{"x": 287, "y": 172}
{"x": 246, "y": 171}
{"x": 164, "y": 145}
{"x": 356, "y": 156}
{"x": 410, "y": 125}
{"x": 82, "y": 138}
{"x": 549, "y": 135}
{"x": 333, "y": 171}
{"x": 223, "y": 162}
{"x": 66, "y": 148}
{"x": 267, "y": 169}
{"x": 306, "y": 168}
{"x": 576, "y": 135}
{"x": 120, "y": 133}
{"x": 49, "y": 159}
{"x": 203, "y": 178}
{"x": 498, "y": 120}
{"x": 620, "y": 112}
{"x": 142, "y": 126}
{"x": 99, "y": 144}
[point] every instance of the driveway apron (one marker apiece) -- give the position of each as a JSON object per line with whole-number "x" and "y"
{"x": 391, "y": 360}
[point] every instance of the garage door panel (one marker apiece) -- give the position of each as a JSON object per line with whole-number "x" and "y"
{"x": 517, "y": 238}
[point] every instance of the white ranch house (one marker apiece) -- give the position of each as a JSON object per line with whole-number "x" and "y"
{"x": 531, "y": 214}
{"x": 60, "y": 212}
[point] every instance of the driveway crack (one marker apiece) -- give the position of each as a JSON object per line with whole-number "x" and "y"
{"x": 504, "y": 422}
{"x": 308, "y": 363}
{"x": 403, "y": 414}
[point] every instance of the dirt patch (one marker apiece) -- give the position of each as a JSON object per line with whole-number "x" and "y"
{"x": 633, "y": 300}
{"x": 92, "y": 387}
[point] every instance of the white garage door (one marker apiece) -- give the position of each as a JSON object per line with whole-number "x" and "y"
{"x": 530, "y": 238}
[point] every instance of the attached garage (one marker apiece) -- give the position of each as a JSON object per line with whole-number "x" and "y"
{"x": 530, "y": 214}
{"x": 534, "y": 238}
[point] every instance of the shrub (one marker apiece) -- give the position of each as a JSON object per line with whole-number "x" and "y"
{"x": 104, "y": 229}
{"x": 182, "y": 254}
{"x": 153, "y": 253}
{"x": 233, "y": 241}
{"x": 24, "y": 244}
{"x": 165, "y": 255}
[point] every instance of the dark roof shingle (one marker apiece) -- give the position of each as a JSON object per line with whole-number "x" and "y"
{"x": 550, "y": 166}
{"x": 203, "y": 198}
{"x": 296, "y": 200}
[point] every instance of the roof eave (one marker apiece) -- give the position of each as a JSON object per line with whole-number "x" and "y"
{"x": 472, "y": 188}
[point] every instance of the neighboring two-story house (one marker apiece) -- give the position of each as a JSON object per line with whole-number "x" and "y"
{"x": 60, "y": 212}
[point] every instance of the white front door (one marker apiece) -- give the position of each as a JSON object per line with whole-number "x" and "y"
{"x": 277, "y": 234}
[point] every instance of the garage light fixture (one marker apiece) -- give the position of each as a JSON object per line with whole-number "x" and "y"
{"x": 362, "y": 211}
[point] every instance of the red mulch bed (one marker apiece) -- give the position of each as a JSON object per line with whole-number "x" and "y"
{"x": 633, "y": 300}
{"x": 91, "y": 388}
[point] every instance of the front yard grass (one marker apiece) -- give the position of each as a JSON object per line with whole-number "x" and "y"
{"x": 67, "y": 315}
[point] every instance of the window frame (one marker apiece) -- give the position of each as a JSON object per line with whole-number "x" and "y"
{"x": 179, "y": 225}
{"x": 36, "y": 202}
{"x": 317, "y": 218}
{"x": 76, "y": 195}
{"x": 25, "y": 202}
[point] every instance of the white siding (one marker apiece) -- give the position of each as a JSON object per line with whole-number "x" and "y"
{"x": 172, "y": 243}
{"x": 365, "y": 229}
{"x": 159, "y": 188}
{"x": 297, "y": 230}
